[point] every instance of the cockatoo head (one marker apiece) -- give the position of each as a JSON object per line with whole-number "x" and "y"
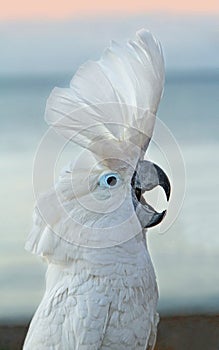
{"x": 109, "y": 110}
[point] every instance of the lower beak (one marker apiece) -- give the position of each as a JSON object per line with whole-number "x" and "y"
{"x": 147, "y": 176}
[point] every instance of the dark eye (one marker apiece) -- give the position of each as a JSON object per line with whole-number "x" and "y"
{"x": 109, "y": 180}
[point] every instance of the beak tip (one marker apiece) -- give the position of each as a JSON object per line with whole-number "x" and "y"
{"x": 168, "y": 193}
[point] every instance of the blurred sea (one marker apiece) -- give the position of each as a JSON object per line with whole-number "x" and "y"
{"x": 186, "y": 257}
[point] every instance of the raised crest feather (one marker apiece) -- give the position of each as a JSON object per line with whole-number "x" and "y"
{"x": 109, "y": 96}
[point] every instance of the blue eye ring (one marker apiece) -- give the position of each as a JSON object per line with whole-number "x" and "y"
{"x": 109, "y": 180}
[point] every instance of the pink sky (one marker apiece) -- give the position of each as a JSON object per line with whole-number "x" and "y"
{"x": 33, "y": 9}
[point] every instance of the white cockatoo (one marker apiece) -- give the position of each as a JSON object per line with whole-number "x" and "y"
{"x": 101, "y": 290}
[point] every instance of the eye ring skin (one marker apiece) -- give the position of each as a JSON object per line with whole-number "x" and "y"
{"x": 109, "y": 180}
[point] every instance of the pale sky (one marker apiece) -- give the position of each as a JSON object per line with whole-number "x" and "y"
{"x": 38, "y": 47}
{"x": 55, "y": 9}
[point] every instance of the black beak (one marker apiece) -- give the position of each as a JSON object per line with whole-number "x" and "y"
{"x": 147, "y": 176}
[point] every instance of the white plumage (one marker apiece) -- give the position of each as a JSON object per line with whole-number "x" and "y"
{"x": 101, "y": 290}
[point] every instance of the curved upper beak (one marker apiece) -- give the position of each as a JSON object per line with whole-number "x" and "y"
{"x": 147, "y": 176}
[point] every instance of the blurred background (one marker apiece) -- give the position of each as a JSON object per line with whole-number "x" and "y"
{"x": 41, "y": 46}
